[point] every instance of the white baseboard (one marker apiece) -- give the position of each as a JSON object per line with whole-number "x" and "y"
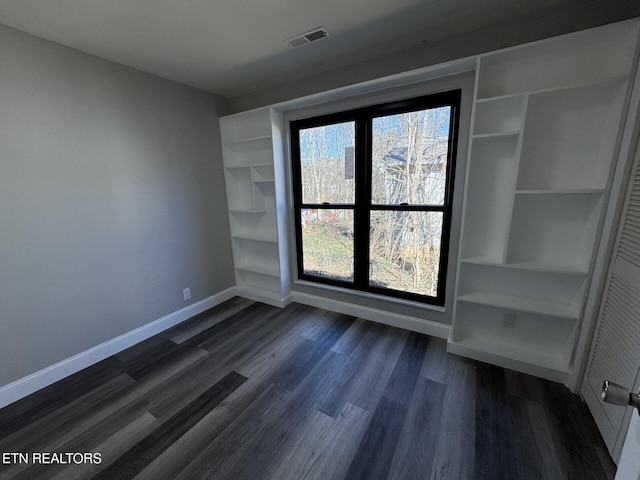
{"x": 414, "y": 324}
{"x": 45, "y": 377}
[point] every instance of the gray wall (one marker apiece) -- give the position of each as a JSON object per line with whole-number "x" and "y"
{"x": 111, "y": 201}
{"x": 567, "y": 17}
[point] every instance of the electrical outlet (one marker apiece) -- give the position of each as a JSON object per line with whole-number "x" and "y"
{"x": 509, "y": 321}
{"x": 186, "y": 293}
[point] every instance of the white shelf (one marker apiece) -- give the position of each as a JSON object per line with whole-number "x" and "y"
{"x": 270, "y": 270}
{"x": 520, "y": 304}
{"x": 529, "y": 342}
{"x": 552, "y": 366}
{"x": 613, "y": 81}
{"x": 248, "y": 166}
{"x": 531, "y": 266}
{"x": 567, "y": 191}
{"x": 241, "y": 141}
{"x": 246, "y": 211}
{"x": 256, "y": 237}
{"x": 246, "y": 126}
{"x": 263, "y": 173}
{"x": 595, "y": 55}
{"x": 496, "y": 134}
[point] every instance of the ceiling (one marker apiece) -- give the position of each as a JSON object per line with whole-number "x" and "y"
{"x": 236, "y": 47}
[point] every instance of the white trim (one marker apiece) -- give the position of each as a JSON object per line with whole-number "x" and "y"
{"x": 371, "y": 296}
{"x": 406, "y": 322}
{"x": 32, "y": 383}
{"x": 263, "y": 296}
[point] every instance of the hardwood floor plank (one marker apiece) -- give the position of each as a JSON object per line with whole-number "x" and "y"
{"x": 268, "y": 449}
{"x": 528, "y": 459}
{"x": 270, "y": 444}
{"x": 317, "y": 322}
{"x": 143, "y": 387}
{"x": 378, "y": 445}
{"x": 304, "y": 358}
{"x": 236, "y": 333}
{"x": 266, "y": 357}
{"x": 207, "y": 319}
{"x": 352, "y": 337}
{"x": 35, "y": 435}
{"x": 549, "y": 464}
{"x": 85, "y": 413}
{"x": 260, "y": 338}
{"x": 135, "y": 459}
{"x": 39, "y": 404}
{"x": 177, "y": 391}
{"x": 436, "y": 361}
{"x": 405, "y": 374}
{"x": 111, "y": 449}
{"x": 326, "y": 447}
{"x": 377, "y": 369}
{"x": 422, "y": 427}
{"x": 170, "y": 396}
{"x": 494, "y": 441}
{"x": 229, "y": 447}
{"x": 454, "y": 455}
{"x": 347, "y": 368}
{"x": 573, "y": 428}
{"x": 156, "y": 358}
{"x": 229, "y": 325}
{"x": 84, "y": 441}
{"x": 526, "y": 387}
{"x": 179, "y": 455}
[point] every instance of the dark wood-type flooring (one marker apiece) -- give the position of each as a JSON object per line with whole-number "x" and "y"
{"x": 249, "y": 391}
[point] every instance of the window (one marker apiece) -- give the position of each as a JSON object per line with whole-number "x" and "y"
{"x": 372, "y": 196}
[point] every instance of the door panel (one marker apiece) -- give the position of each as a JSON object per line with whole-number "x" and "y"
{"x": 616, "y": 346}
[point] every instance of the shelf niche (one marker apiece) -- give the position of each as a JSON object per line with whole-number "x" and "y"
{"x": 491, "y": 185}
{"x": 568, "y": 142}
{"x": 557, "y": 230}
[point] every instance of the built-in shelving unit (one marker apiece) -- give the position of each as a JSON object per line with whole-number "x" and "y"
{"x": 544, "y": 132}
{"x": 254, "y": 178}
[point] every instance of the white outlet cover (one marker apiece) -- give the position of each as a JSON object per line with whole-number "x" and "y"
{"x": 186, "y": 293}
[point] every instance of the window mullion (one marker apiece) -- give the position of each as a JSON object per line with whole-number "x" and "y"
{"x": 363, "y": 200}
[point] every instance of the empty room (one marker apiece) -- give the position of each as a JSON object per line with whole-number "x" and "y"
{"x": 269, "y": 239}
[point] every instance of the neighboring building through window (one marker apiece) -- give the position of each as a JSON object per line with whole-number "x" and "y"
{"x": 373, "y": 189}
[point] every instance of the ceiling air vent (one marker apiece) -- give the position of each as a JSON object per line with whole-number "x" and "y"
{"x": 308, "y": 37}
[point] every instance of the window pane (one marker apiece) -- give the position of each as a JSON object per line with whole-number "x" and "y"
{"x": 405, "y": 251}
{"x": 327, "y": 243}
{"x": 327, "y": 163}
{"x": 409, "y": 157}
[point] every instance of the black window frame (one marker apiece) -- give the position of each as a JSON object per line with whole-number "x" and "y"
{"x": 362, "y": 206}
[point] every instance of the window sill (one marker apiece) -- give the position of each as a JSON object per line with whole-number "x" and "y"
{"x": 372, "y": 296}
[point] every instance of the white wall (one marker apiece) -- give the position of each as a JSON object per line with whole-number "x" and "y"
{"x": 111, "y": 201}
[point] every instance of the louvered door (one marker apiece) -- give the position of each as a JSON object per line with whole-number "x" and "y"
{"x": 615, "y": 353}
